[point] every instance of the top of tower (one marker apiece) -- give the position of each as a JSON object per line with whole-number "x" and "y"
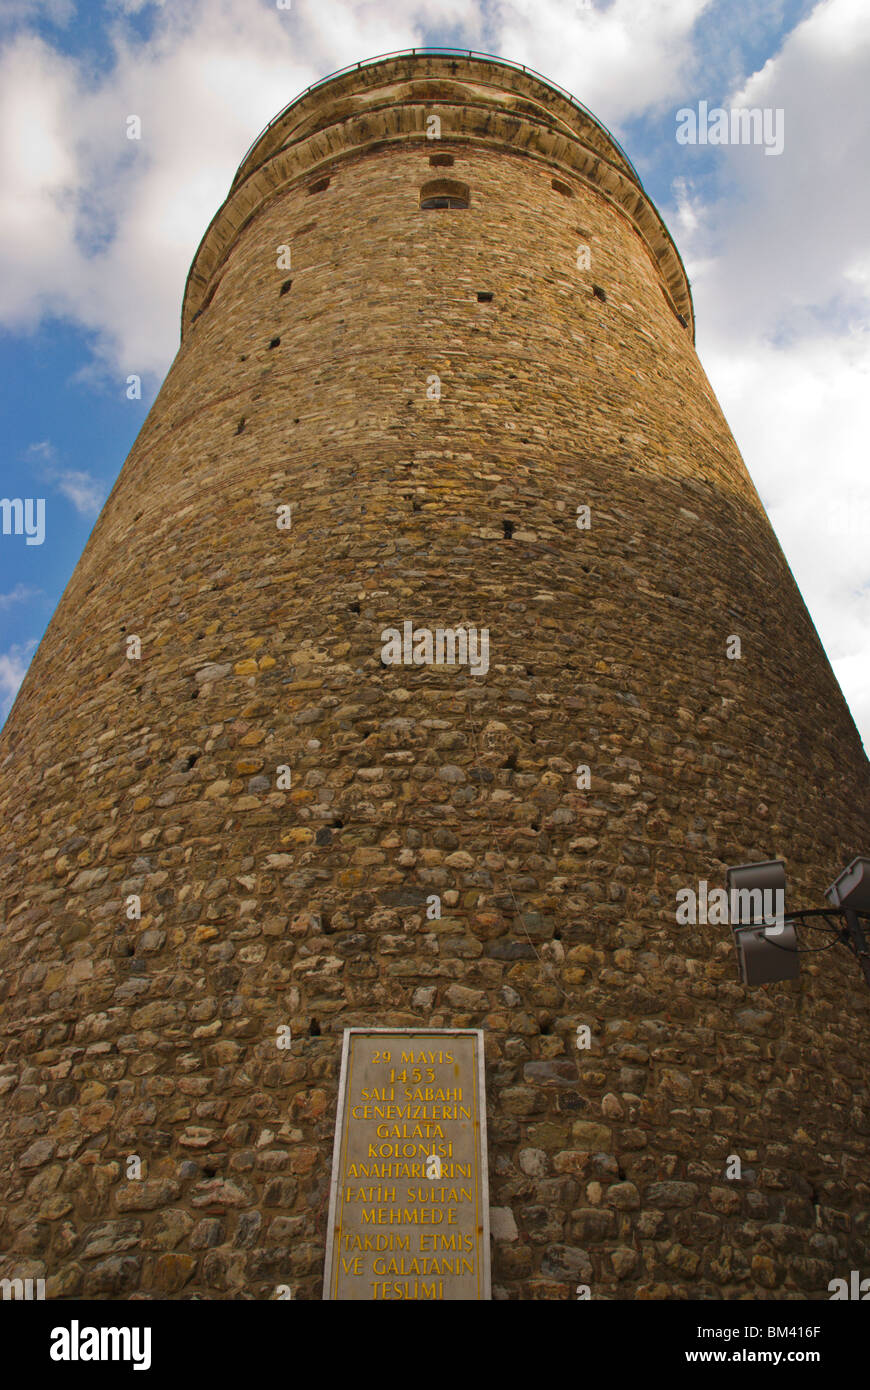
{"x": 388, "y": 100}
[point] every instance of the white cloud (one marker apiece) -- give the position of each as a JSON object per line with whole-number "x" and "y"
{"x": 40, "y": 175}
{"x": 131, "y": 6}
{"x": 22, "y": 593}
{"x": 102, "y": 229}
{"x": 620, "y": 61}
{"x": 57, "y": 12}
{"x": 86, "y": 493}
{"x": 792, "y": 227}
{"x": 13, "y": 668}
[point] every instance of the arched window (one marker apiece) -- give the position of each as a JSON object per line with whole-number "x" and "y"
{"x": 444, "y": 193}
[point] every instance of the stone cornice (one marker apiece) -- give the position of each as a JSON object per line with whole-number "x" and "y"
{"x": 481, "y": 102}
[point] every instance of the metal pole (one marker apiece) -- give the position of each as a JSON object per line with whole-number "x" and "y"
{"x": 858, "y": 940}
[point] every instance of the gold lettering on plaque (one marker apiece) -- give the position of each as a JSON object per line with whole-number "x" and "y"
{"x": 407, "y": 1217}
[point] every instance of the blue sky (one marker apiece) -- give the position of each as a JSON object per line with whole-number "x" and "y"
{"x": 97, "y": 233}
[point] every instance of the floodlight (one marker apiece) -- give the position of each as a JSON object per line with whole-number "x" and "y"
{"x": 766, "y": 940}
{"x": 751, "y": 890}
{"x": 756, "y": 897}
{"x": 851, "y": 888}
{"x": 763, "y": 956}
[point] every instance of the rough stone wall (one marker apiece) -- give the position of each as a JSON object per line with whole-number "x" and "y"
{"x": 261, "y": 649}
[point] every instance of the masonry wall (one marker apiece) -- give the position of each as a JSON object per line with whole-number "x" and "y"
{"x": 261, "y": 649}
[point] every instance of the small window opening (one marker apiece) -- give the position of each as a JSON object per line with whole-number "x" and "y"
{"x": 599, "y": 293}
{"x": 314, "y": 1029}
{"x": 441, "y": 161}
{"x": 562, "y": 188}
{"x": 275, "y": 342}
{"x": 484, "y": 296}
{"x": 444, "y": 193}
{"x": 285, "y": 287}
{"x": 508, "y": 528}
{"x": 319, "y": 187}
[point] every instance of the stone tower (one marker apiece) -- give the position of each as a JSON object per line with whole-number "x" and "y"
{"x": 435, "y": 320}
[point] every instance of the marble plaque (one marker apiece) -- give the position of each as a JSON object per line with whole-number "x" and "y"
{"x": 409, "y": 1204}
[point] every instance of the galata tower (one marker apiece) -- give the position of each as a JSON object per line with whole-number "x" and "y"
{"x": 397, "y": 687}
